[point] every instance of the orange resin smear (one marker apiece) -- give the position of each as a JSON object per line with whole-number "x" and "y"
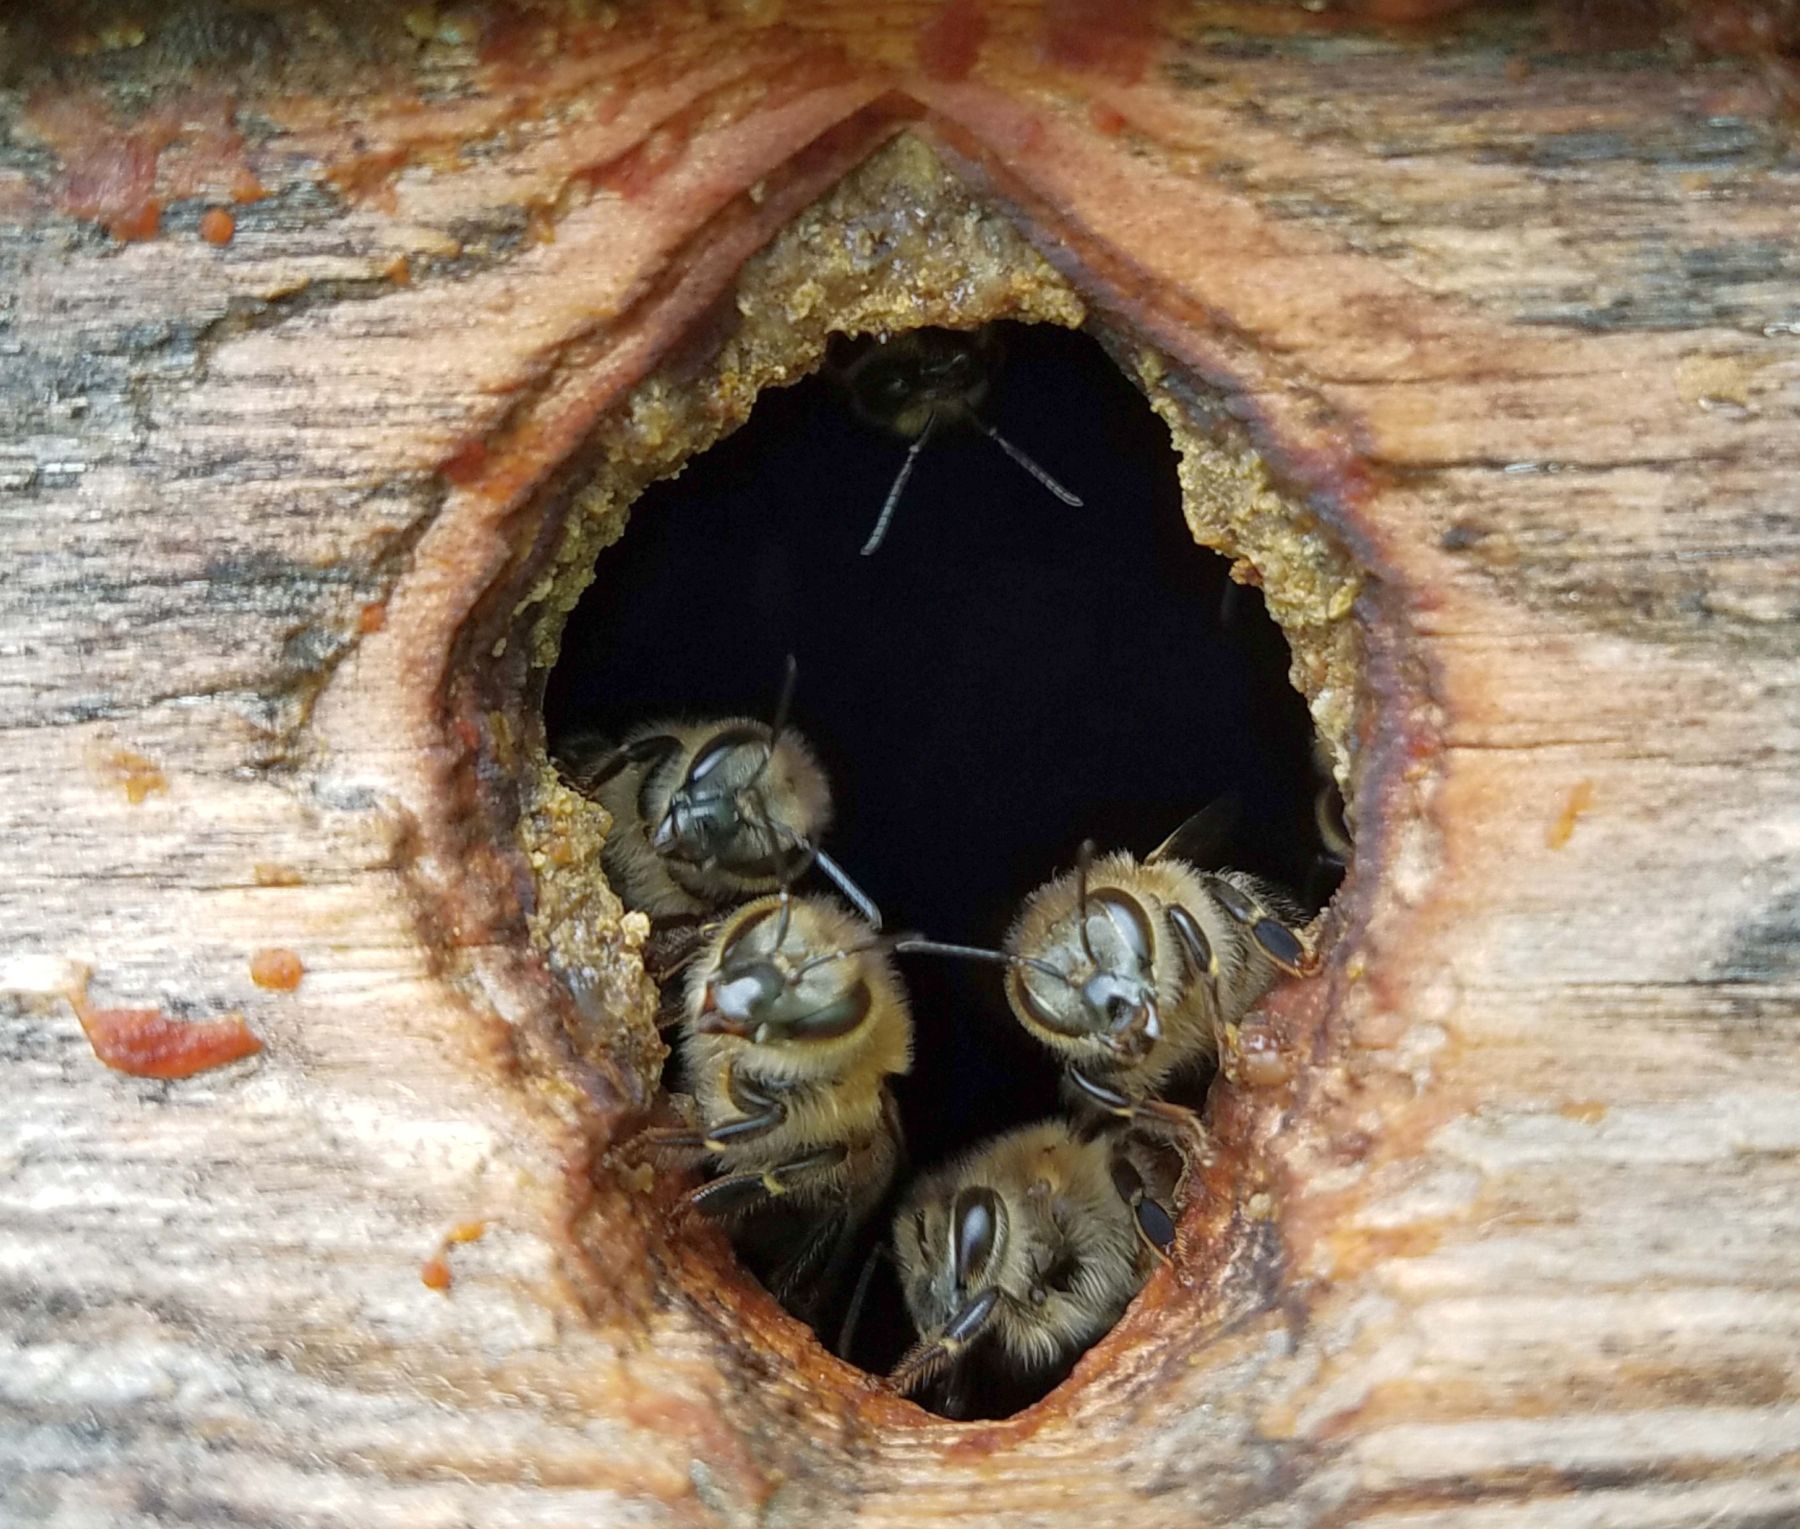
{"x": 149, "y": 1044}
{"x": 950, "y": 43}
{"x": 434, "y": 1273}
{"x": 278, "y": 969}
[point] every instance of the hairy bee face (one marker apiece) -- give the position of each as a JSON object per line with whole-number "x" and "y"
{"x": 777, "y": 978}
{"x": 953, "y": 1247}
{"x": 901, "y": 383}
{"x": 1092, "y": 985}
{"x": 723, "y": 812}
{"x": 1024, "y": 1246}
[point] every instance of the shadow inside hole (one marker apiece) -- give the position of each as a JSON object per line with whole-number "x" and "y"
{"x": 1004, "y": 678}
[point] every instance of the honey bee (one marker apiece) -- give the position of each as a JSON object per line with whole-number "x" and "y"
{"x": 1128, "y": 971}
{"x": 795, "y": 1021}
{"x": 1029, "y": 1247}
{"x": 708, "y": 813}
{"x": 1331, "y": 823}
{"x": 916, "y": 382}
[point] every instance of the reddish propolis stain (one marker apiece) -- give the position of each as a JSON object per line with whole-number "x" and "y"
{"x": 1110, "y": 37}
{"x": 120, "y": 173}
{"x": 463, "y": 466}
{"x": 512, "y": 38}
{"x": 372, "y": 617}
{"x": 139, "y": 222}
{"x": 217, "y": 226}
{"x": 635, "y": 171}
{"x": 370, "y": 177}
{"x": 148, "y": 1044}
{"x": 280, "y": 970}
{"x": 434, "y": 1273}
{"x": 815, "y": 69}
{"x": 109, "y": 177}
{"x": 641, "y": 166}
{"x": 1106, "y": 119}
{"x": 950, "y": 43}
{"x": 1739, "y": 26}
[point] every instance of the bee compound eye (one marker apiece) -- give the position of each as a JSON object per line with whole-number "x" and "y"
{"x": 976, "y": 1220}
{"x": 746, "y": 990}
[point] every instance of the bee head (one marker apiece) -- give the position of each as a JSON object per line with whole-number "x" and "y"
{"x": 770, "y": 989}
{"x": 1094, "y": 983}
{"x": 954, "y": 1250}
{"x": 902, "y": 382}
{"x": 719, "y": 814}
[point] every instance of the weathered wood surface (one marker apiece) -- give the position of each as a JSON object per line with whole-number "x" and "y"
{"x": 1531, "y": 338}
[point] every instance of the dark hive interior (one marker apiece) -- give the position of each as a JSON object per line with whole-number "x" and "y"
{"x": 1004, "y": 678}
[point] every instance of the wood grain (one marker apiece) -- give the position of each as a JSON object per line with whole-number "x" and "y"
{"x": 1514, "y": 328}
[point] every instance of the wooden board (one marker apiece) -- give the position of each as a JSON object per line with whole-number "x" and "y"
{"x": 1518, "y": 328}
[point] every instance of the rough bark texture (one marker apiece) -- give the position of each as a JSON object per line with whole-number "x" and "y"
{"x": 1506, "y": 1234}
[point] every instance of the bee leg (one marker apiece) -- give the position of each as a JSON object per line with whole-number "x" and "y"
{"x": 1158, "y": 1111}
{"x": 1155, "y": 1227}
{"x": 761, "y": 1113}
{"x": 802, "y": 1279}
{"x": 1202, "y": 959}
{"x": 740, "y": 1192}
{"x": 1276, "y": 941}
{"x": 859, "y": 1298}
{"x": 669, "y": 1139}
{"x": 675, "y": 944}
{"x": 929, "y": 1357}
{"x": 588, "y": 778}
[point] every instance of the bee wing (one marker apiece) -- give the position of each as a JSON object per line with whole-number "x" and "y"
{"x": 1202, "y": 838}
{"x": 805, "y": 1278}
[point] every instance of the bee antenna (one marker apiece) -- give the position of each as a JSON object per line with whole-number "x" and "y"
{"x": 909, "y": 945}
{"x": 808, "y": 850}
{"x": 813, "y": 855}
{"x": 785, "y": 917}
{"x": 1083, "y": 860}
{"x": 859, "y": 1297}
{"x": 1072, "y": 500}
{"x": 840, "y": 954}
{"x": 789, "y": 678}
{"x": 892, "y": 502}
{"x": 859, "y": 899}
{"x": 930, "y": 1356}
